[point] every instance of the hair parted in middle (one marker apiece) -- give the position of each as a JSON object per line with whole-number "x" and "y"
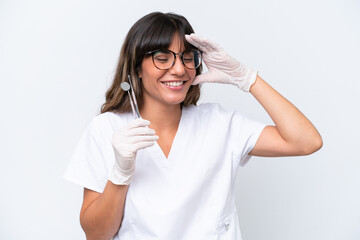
{"x": 153, "y": 31}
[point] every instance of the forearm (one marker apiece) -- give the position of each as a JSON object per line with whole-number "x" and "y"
{"x": 102, "y": 218}
{"x": 291, "y": 124}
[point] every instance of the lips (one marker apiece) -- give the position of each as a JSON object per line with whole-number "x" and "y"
{"x": 173, "y": 83}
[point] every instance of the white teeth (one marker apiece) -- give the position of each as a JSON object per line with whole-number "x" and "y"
{"x": 174, "y": 84}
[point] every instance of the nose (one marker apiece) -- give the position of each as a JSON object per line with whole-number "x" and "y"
{"x": 178, "y": 68}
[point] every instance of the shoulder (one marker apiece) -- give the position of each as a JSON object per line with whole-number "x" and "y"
{"x": 108, "y": 122}
{"x": 210, "y": 112}
{"x": 206, "y": 108}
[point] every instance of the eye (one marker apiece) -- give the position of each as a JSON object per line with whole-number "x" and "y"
{"x": 188, "y": 56}
{"x": 188, "y": 59}
{"x": 162, "y": 56}
{"x": 162, "y": 60}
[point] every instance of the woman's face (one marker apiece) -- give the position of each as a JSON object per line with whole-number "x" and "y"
{"x": 156, "y": 82}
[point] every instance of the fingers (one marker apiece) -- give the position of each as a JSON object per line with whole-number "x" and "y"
{"x": 143, "y": 145}
{"x": 193, "y": 42}
{"x": 137, "y": 126}
{"x": 202, "y": 43}
{"x": 140, "y": 142}
{"x": 146, "y": 138}
{"x": 136, "y": 132}
{"x": 200, "y": 79}
{"x": 127, "y": 146}
{"x": 132, "y": 148}
{"x": 139, "y": 122}
{"x": 140, "y": 131}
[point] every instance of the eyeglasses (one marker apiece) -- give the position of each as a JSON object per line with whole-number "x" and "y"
{"x": 165, "y": 59}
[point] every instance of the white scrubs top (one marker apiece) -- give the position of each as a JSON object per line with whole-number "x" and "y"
{"x": 190, "y": 194}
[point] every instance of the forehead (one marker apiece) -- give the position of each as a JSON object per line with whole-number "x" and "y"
{"x": 176, "y": 44}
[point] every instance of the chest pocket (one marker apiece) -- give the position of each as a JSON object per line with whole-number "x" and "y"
{"x": 228, "y": 226}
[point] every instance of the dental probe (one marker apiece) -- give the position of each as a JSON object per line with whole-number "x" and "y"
{"x": 134, "y": 98}
{"x": 126, "y": 87}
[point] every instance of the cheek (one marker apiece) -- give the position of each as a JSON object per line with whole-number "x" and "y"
{"x": 192, "y": 75}
{"x": 150, "y": 78}
{"x": 149, "y": 73}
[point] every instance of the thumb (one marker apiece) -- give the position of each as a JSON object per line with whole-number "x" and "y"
{"x": 205, "y": 77}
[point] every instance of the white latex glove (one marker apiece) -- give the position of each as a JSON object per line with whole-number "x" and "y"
{"x": 126, "y": 142}
{"x": 222, "y": 68}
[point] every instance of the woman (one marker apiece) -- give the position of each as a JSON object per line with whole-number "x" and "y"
{"x": 171, "y": 173}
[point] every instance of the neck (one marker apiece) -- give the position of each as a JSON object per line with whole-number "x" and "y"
{"x": 161, "y": 117}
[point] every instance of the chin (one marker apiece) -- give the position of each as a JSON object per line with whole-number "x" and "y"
{"x": 174, "y": 101}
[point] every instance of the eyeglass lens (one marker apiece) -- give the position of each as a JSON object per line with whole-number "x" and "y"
{"x": 165, "y": 59}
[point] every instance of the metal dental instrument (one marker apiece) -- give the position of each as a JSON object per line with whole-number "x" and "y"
{"x": 128, "y": 87}
{"x": 134, "y": 98}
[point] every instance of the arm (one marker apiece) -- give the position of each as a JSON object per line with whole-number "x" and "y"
{"x": 101, "y": 213}
{"x": 293, "y": 134}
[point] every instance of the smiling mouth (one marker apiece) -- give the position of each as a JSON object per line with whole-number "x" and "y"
{"x": 174, "y": 84}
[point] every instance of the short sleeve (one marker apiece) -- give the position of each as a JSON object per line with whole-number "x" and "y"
{"x": 89, "y": 162}
{"x": 244, "y": 134}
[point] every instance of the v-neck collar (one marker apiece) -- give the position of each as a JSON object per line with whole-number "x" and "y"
{"x": 174, "y": 144}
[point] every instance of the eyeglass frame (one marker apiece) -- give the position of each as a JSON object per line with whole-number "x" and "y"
{"x": 174, "y": 53}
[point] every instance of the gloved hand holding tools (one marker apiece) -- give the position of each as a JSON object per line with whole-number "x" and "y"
{"x": 126, "y": 142}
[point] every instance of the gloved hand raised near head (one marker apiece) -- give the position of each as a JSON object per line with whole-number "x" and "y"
{"x": 222, "y": 68}
{"x": 126, "y": 142}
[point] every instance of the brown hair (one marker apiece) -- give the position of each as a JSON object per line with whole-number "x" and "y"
{"x": 151, "y": 32}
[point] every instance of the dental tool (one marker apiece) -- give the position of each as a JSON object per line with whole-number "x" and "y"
{"x": 129, "y": 87}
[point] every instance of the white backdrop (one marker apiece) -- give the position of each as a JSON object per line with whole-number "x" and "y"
{"x": 58, "y": 57}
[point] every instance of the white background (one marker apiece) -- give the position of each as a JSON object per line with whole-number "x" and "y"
{"x": 57, "y": 59}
